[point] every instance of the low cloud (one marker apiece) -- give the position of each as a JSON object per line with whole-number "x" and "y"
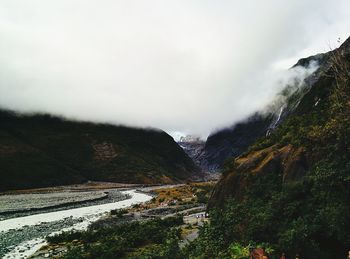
{"x": 186, "y": 66}
{"x": 287, "y": 83}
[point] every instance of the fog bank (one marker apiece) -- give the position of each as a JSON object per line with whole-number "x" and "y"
{"x": 186, "y": 66}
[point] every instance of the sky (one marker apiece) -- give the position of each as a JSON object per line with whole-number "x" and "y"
{"x": 188, "y": 66}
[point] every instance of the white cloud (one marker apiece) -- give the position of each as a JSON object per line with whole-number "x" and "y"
{"x": 189, "y": 66}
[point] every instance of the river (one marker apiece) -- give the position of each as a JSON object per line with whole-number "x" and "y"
{"x": 22, "y": 236}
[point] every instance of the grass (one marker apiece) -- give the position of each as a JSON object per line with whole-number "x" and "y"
{"x": 191, "y": 193}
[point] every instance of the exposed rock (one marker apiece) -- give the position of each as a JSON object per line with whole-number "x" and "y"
{"x": 235, "y": 140}
{"x": 193, "y": 147}
{"x": 287, "y": 161}
{"x": 309, "y": 108}
{"x": 104, "y": 151}
{"x": 295, "y": 165}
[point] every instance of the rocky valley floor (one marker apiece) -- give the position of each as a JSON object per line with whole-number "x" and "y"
{"x": 25, "y": 223}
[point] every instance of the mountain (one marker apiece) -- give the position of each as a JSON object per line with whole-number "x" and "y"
{"x": 41, "y": 150}
{"x": 193, "y": 147}
{"x": 235, "y": 140}
{"x": 291, "y": 188}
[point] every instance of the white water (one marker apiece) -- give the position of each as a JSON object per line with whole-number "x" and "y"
{"x": 89, "y": 214}
{"x": 279, "y": 116}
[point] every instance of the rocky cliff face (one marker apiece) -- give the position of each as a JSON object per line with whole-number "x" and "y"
{"x": 287, "y": 161}
{"x": 40, "y": 150}
{"x": 314, "y": 123}
{"x": 235, "y": 140}
{"x": 291, "y": 188}
{"x": 193, "y": 147}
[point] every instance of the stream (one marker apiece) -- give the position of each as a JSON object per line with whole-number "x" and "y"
{"x": 21, "y": 236}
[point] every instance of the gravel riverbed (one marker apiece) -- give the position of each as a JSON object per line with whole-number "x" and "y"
{"x": 14, "y": 206}
{"x": 13, "y": 237}
{"x": 19, "y": 234}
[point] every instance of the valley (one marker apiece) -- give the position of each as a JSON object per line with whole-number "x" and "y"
{"x": 55, "y": 151}
{"x": 129, "y": 133}
{"x": 22, "y": 233}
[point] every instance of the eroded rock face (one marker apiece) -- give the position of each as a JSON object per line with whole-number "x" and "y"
{"x": 289, "y": 162}
{"x": 295, "y": 165}
{"x": 193, "y": 147}
{"x": 104, "y": 151}
{"x": 232, "y": 141}
{"x": 308, "y": 110}
{"x": 235, "y": 140}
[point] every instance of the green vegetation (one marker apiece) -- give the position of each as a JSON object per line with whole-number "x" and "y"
{"x": 307, "y": 215}
{"x": 119, "y": 212}
{"x": 191, "y": 193}
{"x": 288, "y": 194}
{"x": 154, "y": 238}
{"x": 40, "y": 151}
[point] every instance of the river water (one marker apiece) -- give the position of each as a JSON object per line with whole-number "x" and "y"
{"x": 22, "y": 236}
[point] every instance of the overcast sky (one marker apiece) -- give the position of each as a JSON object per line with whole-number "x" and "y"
{"x": 181, "y": 65}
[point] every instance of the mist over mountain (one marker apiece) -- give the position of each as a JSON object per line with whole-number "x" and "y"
{"x": 42, "y": 150}
{"x": 175, "y": 129}
{"x": 170, "y": 65}
{"x": 232, "y": 141}
{"x": 296, "y": 178}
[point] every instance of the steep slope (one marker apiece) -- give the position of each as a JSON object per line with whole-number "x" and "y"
{"x": 235, "y": 140}
{"x": 231, "y": 142}
{"x": 24, "y": 166}
{"x": 42, "y": 150}
{"x": 293, "y": 186}
{"x": 193, "y": 147}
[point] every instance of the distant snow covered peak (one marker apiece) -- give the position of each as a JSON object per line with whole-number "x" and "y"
{"x": 177, "y": 135}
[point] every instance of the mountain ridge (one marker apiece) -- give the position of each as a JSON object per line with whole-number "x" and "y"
{"x": 55, "y": 151}
{"x": 235, "y": 140}
{"x": 291, "y": 189}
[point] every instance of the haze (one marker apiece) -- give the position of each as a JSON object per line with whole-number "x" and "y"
{"x": 181, "y": 66}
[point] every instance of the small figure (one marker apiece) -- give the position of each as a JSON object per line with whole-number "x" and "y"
{"x": 258, "y": 253}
